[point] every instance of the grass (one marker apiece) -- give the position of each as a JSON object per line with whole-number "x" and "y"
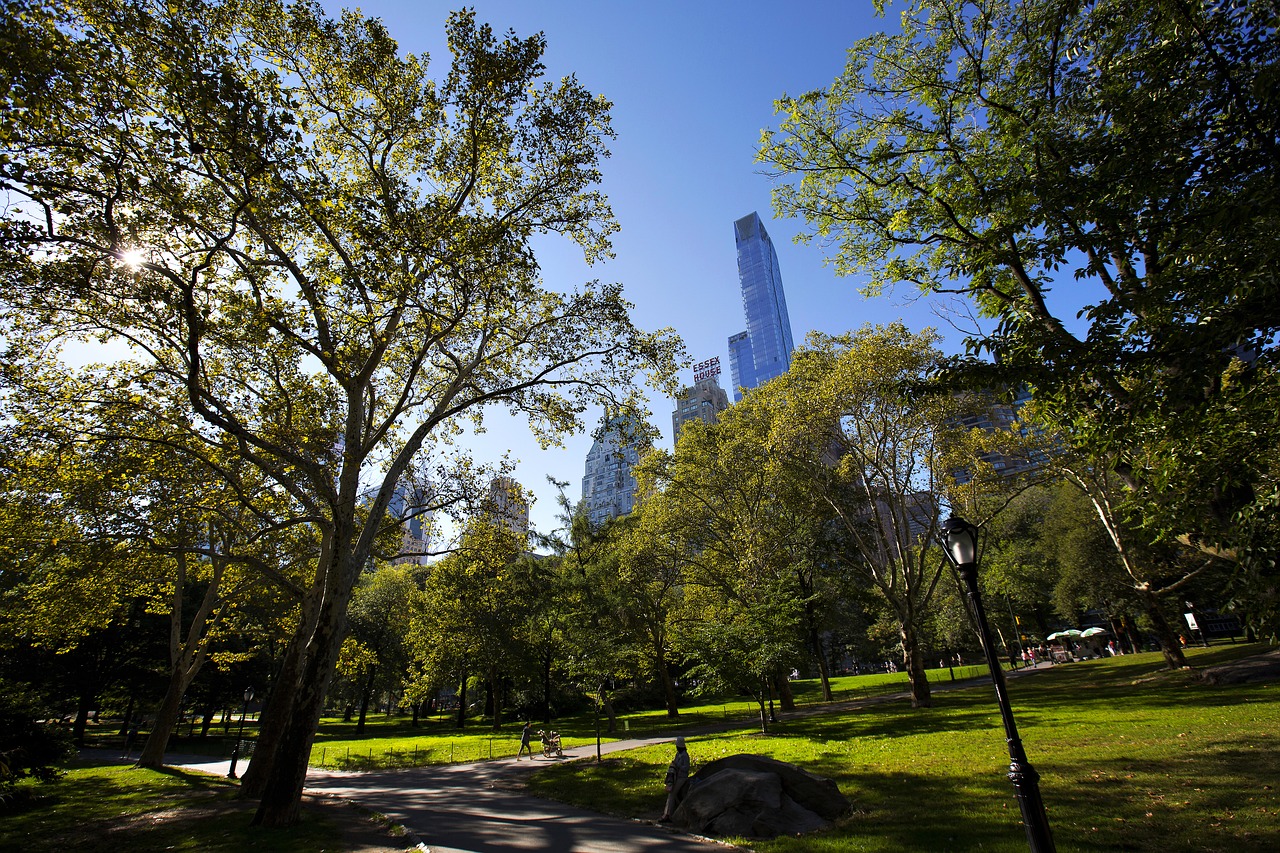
{"x": 392, "y": 741}
{"x": 106, "y": 809}
{"x": 1131, "y": 758}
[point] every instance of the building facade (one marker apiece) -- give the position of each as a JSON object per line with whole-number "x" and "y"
{"x": 410, "y": 507}
{"x": 608, "y": 487}
{"x": 507, "y": 506}
{"x": 703, "y": 401}
{"x": 763, "y": 351}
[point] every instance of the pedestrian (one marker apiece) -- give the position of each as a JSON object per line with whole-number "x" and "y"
{"x": 525, "y": 734}
{"x": 677, "y": 780}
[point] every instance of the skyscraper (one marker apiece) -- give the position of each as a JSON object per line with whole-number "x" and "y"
{"x": 609, "y": 489}
{"x": 703, "y": 401}
{"x": 507, "y": 506}
{"x": 763, "y": 351}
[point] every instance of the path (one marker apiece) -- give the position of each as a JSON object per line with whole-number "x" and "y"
{"x": 481, "y": 807}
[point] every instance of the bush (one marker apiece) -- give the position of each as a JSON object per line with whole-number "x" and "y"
{"x": 28, "y": 748}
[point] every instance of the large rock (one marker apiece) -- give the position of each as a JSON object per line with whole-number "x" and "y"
{"x": 758, "y": 797}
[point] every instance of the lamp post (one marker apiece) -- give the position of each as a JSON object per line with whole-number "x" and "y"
{"x": 961, "y": 541}
{"x": 235, "y": 750}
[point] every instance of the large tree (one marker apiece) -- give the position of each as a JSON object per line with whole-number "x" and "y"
{"x": 1049, "y": 157}
{"x": 325, "y": 251}
{"x": 880, "y": 453}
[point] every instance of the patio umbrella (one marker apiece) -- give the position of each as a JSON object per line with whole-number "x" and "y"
{"x": 1069, "y": 634}
{"x": 1092, "y": 632}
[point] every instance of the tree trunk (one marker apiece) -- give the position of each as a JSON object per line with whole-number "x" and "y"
{"x": 301, "y": 700}
{"x": 365, "y": 695}
{"x": 785, "y": 695}
{"x": 612, "y": 715}
{"x": 913, "y": 660}
{"x": 281, "y": 801}
{"x": 81, "y": 723}
{"x": 495, "y": 696}
{"x": 128, "y": 718}
{"x": 762, "y": 692}
{"x": 1168, "y": 639}
{"x": 166, "y": 720}
{"x": 824, "y": 669}
{"x": 668, "y": 685}
{"x": 462, "y": 702}
{"x": 273, "y": 718}
{"x": 206, "y": 722}
{"x": 1132, "y": 635}
{"x": 546, "y": 687}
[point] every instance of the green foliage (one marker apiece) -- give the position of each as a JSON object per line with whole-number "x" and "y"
{"x": 1049, "y": 157}
{"x": 320, "y": 255}
{"x": 29, "y": 745}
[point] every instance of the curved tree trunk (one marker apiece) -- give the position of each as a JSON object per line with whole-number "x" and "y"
{"x": 281, "y": 800}
{"x": 913, "y": 660}
{"x": 300, "y": 700}
{"x": 166, "y": 721}
{"x": 1169, "y": 644}
{"x": 186, "y": 656}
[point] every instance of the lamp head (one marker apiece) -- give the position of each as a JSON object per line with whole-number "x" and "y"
{"x": 961, "y": 541}
{"x": 248, "y": 695}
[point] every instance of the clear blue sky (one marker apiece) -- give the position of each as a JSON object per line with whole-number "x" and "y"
{"x": 693, "y": 84}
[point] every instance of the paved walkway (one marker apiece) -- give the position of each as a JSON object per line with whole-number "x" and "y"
{"x": 481, "y": 807}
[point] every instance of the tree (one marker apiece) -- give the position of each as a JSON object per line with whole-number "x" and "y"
{"x": 651, "y": 588}
{"x": 721, "y": 506}
{"x": 323, "y": 250}
{"x": 880, "y": 453}
{"x": 1049, "y": 157}
{"x": 379, "y": 622}
{"x": 470, "y": 617}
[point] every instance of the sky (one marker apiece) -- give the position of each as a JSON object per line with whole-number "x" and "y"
{"x": 693, "y": 84}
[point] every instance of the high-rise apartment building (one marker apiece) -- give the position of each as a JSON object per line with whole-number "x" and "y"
{"x": 763, "y": 351}
{"x": 410, "y": 505}
{"x": 609, "y": 489}
{"x": 702, "y": 401}
{"x": 506, "y": 505}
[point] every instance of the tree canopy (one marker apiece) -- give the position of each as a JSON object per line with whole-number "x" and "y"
{"x": 319, "y": 249}
{"x": 1049, "y": 157}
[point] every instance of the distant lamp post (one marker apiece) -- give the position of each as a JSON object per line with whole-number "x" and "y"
{"x": 961, "y": 541}
{"x": 235, "y": 750}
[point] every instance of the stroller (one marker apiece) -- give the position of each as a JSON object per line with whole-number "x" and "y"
{"x": 550, "y": 744}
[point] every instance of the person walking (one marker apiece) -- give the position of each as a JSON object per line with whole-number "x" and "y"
{"x": 525, "y": 735}
{"x": 677, "y": 780}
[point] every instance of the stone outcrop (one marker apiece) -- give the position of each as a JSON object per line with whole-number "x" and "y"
{"x": 757, "y": 797}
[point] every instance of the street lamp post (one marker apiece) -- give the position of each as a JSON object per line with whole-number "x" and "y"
{"x": 961, "y": 541}
{"x": 235, "y": 750}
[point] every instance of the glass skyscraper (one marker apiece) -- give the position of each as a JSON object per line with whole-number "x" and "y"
{"x": 763, "y": 351}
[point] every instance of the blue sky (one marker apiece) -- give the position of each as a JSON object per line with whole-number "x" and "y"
{"x": 692, "y": 84}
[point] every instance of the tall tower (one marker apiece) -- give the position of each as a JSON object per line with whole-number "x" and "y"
{"x": 763, "y": 351}
{"x": 703, "y": 401}
{"x": 609, "y": 489}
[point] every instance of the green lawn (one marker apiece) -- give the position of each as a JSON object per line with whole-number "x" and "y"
{"x": 393, "y": 742}
{"x": 108, "y": 809}
{"x": 1131, "y": 758}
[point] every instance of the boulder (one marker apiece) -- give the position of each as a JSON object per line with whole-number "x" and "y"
{"x": 757, "y": 797}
